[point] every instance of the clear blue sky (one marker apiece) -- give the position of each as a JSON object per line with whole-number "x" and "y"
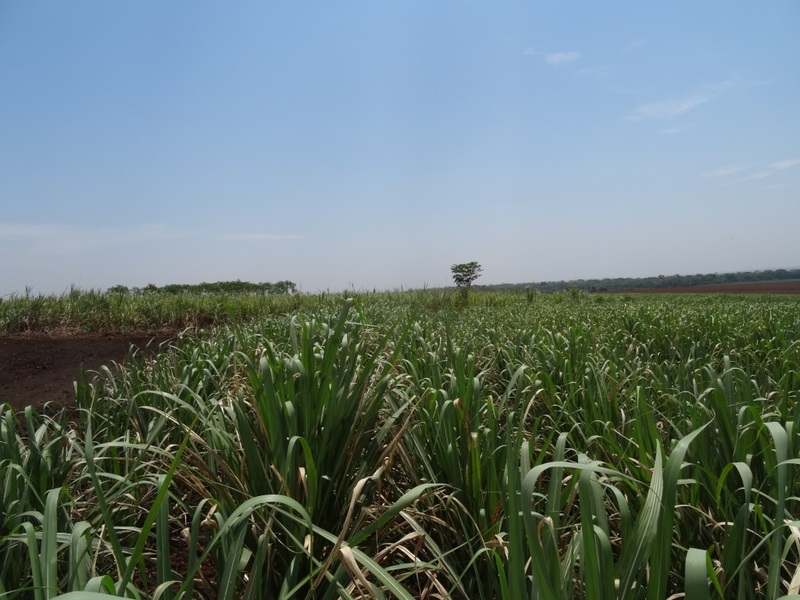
{"x": 375, "y": 143}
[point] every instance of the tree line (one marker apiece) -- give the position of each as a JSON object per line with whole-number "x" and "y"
{"x": 237, "y": 287}
{"x": 660, "y": 281}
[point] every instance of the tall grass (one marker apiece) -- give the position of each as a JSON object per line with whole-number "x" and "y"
{"x": 101, "y": 311}
{"x": 419, "y": 445}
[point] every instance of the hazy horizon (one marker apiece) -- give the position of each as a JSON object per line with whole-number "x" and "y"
{"x": 449, "y": 284}
{"x": 362, "y": 145}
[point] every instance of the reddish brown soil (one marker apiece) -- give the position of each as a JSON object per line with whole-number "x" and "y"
{"x": 40, "y": 369}
{"x": 762, "y": 287}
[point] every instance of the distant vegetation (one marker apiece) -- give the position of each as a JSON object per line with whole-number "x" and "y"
{"x": 220, "y": 287}
{"x": 147, "y": 309}
{"x": 659, "y": 282}
{"x": 178, "y": 306}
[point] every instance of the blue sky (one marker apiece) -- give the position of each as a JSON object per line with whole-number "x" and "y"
{"x": 372, "y": 144}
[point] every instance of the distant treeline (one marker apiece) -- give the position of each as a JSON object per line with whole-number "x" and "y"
{"x": 661, "y": 281}
{"x": 206, "y": 289}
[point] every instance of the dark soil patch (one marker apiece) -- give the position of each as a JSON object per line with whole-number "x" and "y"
{"x": 41, "y": 369}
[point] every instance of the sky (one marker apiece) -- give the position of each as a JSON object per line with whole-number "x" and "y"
{"x": 372, "y": 144}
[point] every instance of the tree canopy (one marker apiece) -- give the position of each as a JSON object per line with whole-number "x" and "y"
{"x": 465, "y": 273}
{"x": 220, "y": 287}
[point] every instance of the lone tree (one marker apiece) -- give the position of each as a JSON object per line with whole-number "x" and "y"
{"x": 465, "y": 273}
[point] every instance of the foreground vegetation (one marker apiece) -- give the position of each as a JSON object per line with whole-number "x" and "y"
{"x": 121, "y": 310}
{"x": 423, "y": 445}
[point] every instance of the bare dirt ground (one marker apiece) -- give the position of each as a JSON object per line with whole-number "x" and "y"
{"x": 40, "y": 369}
{"x": 761, "y": 287}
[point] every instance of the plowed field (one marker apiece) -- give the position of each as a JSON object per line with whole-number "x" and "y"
{"x": 40, "y": 370}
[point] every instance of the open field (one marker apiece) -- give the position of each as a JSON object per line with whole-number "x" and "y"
{"x": 413, "y": 445}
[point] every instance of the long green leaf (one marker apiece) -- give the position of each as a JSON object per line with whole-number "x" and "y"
{"x": 639, "y": 545}
{"x": 695, "y": 575}
{"x": 662, "y": 549}
{"x": 152, "y": 515}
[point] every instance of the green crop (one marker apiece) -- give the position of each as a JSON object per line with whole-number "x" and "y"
{"x": 415, "y": 445}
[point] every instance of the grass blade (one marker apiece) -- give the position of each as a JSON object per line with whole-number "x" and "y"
{"x": 695, "y": 575}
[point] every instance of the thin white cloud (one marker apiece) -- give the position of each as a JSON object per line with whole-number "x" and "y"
{"x": 776, "y": 167}
{"x": 669, "y": 109}
{"x": 782, "y": 165}
{"x": 757, "y": 176}
{"x": 59, "y": 238}
{"x": 530, "y": 52}
{"x": 559, "y": 58}
{"x": 723, "y": 171}
{"x": 634, "y": 45}
{"x": 762, "y": 172}
{"x": 679, "y": 106}
{"x": 256, "y": 237}
{"x": 33, "y": 233}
